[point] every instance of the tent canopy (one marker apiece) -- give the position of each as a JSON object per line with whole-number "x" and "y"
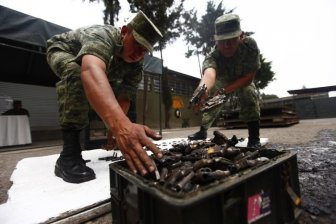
{"x": 19, "y": 27}
{"x": 23, "y": 49}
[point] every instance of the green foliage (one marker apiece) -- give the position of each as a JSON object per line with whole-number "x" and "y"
{"x": 269, "y": 96}
{"x": 200, "y": 34}
{"x": 165, "y": 14}
{"x": 111, "y": 11}
{"x": 264, "y": 75}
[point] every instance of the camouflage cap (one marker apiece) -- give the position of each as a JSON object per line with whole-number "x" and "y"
{"x": 144, "y": 31}
{"x": 227, "y": 26}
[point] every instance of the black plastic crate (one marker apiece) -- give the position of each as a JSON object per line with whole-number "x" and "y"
{"x": 256, "y": 195}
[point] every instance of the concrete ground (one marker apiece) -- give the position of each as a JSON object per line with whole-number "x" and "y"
{"x": 303, "y": 132}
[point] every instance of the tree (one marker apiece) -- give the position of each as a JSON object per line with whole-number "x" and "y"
{"x": 111, "y": 12}
{"x": 264, "y": 75}
{"x": 268, "y": 96}
{"x": 200, "y": 34}
{"x": 165, "y": 14}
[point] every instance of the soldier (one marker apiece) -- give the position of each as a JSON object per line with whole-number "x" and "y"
{"x": 232, "y": 65}
{"x": 101, "y": 66}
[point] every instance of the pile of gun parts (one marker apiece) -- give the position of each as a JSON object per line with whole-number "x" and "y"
{"x": 188, "y": 165}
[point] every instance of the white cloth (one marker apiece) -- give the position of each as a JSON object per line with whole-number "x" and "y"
{"x": 14, "y": 130}
{"x": 38, "y": 195}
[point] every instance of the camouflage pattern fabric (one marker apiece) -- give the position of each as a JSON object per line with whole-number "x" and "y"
{"x": 64, "y": 55}
{"x": 144, "y": 31}
{"x": 228, "y": 70}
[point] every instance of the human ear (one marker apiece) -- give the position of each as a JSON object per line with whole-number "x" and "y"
{"x": 124, "y": 30}
{"x": 242, "y": 35}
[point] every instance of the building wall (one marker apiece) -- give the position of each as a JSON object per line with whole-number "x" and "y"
{"x": 149, "y": 110}
{"x": 322, "y": 104}
{"x": 316, "y": 108}
{"x": 152, "y": 115}
{"x": 307, "y": 106}
{"x": 188, "y": 116}
{"x": 40, "y": 101}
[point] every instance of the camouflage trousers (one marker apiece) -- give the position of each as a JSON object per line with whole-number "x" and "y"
{"x": 248, "y": 104}
{"x": 73, "y": 105}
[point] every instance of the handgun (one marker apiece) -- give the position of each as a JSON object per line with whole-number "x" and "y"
{"x": 197, "y": 95}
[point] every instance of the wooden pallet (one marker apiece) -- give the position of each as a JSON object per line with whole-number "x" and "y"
{"x": 270, "y": 117}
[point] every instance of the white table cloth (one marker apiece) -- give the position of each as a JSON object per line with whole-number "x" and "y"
{"x": 14, "y": 130}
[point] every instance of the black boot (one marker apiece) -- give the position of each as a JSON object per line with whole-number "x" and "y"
{"x": 70, "y": 166}
{"x": 200, "y": 135}
{"x": 253, "y": 131}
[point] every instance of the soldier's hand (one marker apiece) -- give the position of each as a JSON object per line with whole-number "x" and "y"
{"x": 131, "y": 139}
{"x": 220, "y": 92}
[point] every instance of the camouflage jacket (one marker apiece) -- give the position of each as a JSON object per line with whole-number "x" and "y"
{"x": 244, "y": 61}
{"x": 103, "y": 41}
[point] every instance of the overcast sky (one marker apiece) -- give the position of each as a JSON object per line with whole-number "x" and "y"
{"x": 298, "y": 36}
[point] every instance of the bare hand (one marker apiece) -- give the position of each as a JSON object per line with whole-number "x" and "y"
{"x": 131, "y": 139}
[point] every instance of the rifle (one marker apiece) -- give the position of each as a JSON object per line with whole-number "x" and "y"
{"x": 197, "y": 95}
{"x": 215, "y": 101}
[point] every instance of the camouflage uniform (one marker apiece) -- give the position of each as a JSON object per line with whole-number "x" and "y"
{"x": 64, "y": 55}
{"x": 228, "y": 70}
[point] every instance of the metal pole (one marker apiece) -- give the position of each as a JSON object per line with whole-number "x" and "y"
{"x": 160, "y": 91}
{"x": 199, "y": 63}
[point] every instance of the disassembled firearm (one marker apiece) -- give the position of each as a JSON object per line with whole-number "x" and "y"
{"x": 114, "y": 157}
{"x": 215, "y": 101}
{"x": 197, "y": 95}
{"x": 188, "y": 165}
